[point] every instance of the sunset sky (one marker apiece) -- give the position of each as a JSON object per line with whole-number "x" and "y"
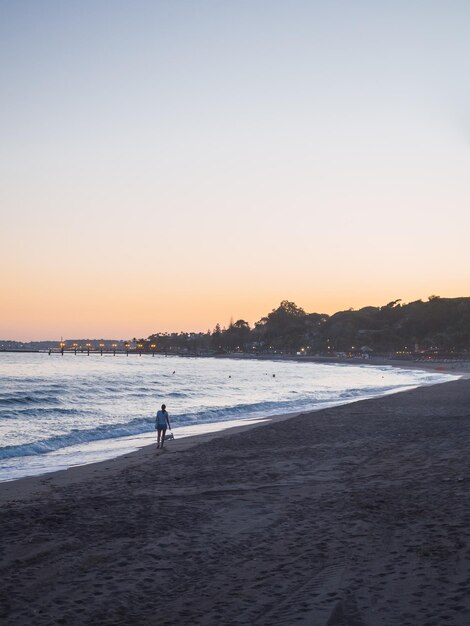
{"x": 167, "y": 165}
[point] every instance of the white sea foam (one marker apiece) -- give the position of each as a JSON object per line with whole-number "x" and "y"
{"x": 57, "y": 411}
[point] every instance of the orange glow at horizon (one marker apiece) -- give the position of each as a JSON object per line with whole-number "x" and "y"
{"x": 215, "y": 162}
{"x": 95, "y": 312}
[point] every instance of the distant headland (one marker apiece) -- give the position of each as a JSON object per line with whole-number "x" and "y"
{"x": 438, "y": 326}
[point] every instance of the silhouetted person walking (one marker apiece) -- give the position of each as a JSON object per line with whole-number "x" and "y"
{"x": 161, "y": 422}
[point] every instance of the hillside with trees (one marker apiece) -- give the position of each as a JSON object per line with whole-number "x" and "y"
{"x": 437, "y": 326}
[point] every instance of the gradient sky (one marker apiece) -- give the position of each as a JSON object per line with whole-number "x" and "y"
{"x": 166, "y": 165}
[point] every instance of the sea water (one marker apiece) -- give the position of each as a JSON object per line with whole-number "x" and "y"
{"x": 60, "y": 411}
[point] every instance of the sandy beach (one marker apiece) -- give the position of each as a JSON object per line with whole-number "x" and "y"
{"x": 357, "y": 515}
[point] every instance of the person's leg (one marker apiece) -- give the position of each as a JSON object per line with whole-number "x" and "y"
{"x": 159, "y": 434}
{"x": 163, "y": 436}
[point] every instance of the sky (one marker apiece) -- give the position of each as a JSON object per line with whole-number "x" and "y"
{"x": 168, "y": 165}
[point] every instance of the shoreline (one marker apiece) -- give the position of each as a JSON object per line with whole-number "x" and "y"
{"x": 353, "y": 514}
{"x": 27, "y": 486}
{"x": 218, "y": 428}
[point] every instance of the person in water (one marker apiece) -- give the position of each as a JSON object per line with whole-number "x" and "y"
{"x": 161, "y": 422}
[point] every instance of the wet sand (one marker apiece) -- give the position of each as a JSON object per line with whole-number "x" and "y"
{"x": 357, "y": 515}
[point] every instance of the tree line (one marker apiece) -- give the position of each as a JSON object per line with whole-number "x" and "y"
{"x": 437, "y": 325}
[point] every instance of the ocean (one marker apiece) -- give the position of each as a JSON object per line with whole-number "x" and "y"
{"x": 61, "y": 411}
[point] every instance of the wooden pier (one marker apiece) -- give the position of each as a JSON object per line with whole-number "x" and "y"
{"x": 101, "y": 351}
